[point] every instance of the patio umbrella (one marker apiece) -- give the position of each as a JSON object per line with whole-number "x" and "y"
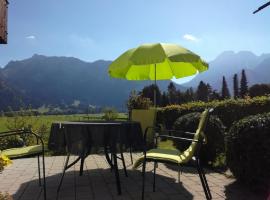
{"x": 156, "y": 61}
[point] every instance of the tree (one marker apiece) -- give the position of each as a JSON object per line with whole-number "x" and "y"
{"x": 243, "y": 85}
{"x": 215, "y": 95}
{"x": 225, "y": 94}
{"x": 164, "y": 99}
{"x": 148, "y": 92}
{"x": 235, "y": 86}
{"x": 188, "y": 95}
{"x": 202, "y": 93}
{"x": 172, "y": 93}
{"x": 259, "y": 90}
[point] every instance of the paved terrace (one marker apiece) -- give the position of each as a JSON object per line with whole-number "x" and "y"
{"x": 21, "y": 181}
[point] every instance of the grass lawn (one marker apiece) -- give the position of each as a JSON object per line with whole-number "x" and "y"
{"x": 48, "y": 119}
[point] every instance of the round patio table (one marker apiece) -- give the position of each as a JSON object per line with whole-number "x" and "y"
{"x": 81, "y": 138}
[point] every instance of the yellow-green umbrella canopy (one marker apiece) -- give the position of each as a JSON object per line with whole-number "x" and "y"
{"x": 158, "y": 61}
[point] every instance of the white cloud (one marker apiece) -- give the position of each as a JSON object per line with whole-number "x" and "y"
{"x": 31, "y": 37}
{"x": 190, "y": 37}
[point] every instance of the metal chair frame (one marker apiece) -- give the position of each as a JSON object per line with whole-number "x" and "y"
{"x": 38, "y": 139}
{"x": 196, "y": 155}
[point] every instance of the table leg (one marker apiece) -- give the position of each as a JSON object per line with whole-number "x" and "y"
{"x": 81, "y": 167}
{"x": 109, "y": 160}
{"x": 63, "y": 173}
{"x": 118, "y": 184}
{"x": 67, "y": 166}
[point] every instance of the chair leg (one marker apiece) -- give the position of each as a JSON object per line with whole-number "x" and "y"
{"x": 130, "y": 152}
{"x": 179, "y": 169}
{"x": 206, "y": 184}
{"x": 63, "y": 174}
{"x": 143, "y": 177}
{"x": 44, "y": 176}
{"x": 112, "y": 162}
{"x": 203, "y": 181}
{"x": 154, "y": 176}
{"x": 39, "y": 178}
{"x": 123, "y": 161}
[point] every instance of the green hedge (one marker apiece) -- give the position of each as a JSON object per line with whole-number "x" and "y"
{"x": 214, "y": 132}
{"x": 227, "y": 111}
{"x": 248, "y": 151}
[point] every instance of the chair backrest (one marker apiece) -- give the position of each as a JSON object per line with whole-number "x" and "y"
{"x": 147, "y": 118}
{"x": 198, "y": 138}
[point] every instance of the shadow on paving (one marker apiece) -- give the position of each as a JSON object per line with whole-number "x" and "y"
{"x": 100, "y": 184}
{"x": 236, "y": 190}
{"x": 187, "y": 168}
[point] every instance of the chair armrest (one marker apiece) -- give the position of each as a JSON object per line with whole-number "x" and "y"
{"x": 11, "y": 133}
{"x": 180, "y": 131}
{"x": 177, "y": 138}
{"x": 148, "y": 128}
{"x": 145, "y": 135}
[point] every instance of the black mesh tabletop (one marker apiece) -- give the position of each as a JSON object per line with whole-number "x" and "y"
{"x": 80, "y": 137}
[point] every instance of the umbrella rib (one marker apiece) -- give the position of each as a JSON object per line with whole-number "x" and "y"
{"x": 170, "y": 67}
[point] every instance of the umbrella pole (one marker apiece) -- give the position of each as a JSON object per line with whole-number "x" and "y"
{"x": 155, "y": 92}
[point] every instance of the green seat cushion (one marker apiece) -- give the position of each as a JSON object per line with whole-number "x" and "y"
{"x": 167, "y": 155}
{"x": 22, "y": 151}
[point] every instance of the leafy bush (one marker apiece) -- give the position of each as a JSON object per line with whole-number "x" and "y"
{"x": 227, "y": 111}
{"x": 214, "y": 132}
{"x": 4, "y": 161}
{"x": 248, "y": 151}
{"x": 5, "y": 196}
{"x": 11, "y": 142}
{"x": 136, "y": 101}
{"x": 22, "y": 119}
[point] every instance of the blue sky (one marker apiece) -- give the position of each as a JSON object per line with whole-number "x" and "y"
{"x": 103, "y": 29}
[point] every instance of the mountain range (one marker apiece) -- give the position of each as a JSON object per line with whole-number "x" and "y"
{"x": 43, "y": 80}
{"x": 257, "y": 69}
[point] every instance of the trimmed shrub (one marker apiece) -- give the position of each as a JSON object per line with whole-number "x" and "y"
{"x": 227, "y": 111}
{"x": 248, "y": 151}
{"x": 214, "y": 132}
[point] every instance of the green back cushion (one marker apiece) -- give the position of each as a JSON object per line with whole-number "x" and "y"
{"x": 189, "y": 152}
{"x": 174, "y": 155}
{"x": 146, "y": 118}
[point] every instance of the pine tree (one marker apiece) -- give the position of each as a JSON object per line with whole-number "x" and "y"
{"x": 235, "y": 86}
{"x": 225, "y": 94}
{"x": 172, "y": 93}
{"x": 188, "y": 95}
{"x": 243, "y": 85}
{"x": 164, "y": 99}
{"x": 202, "y": 92}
